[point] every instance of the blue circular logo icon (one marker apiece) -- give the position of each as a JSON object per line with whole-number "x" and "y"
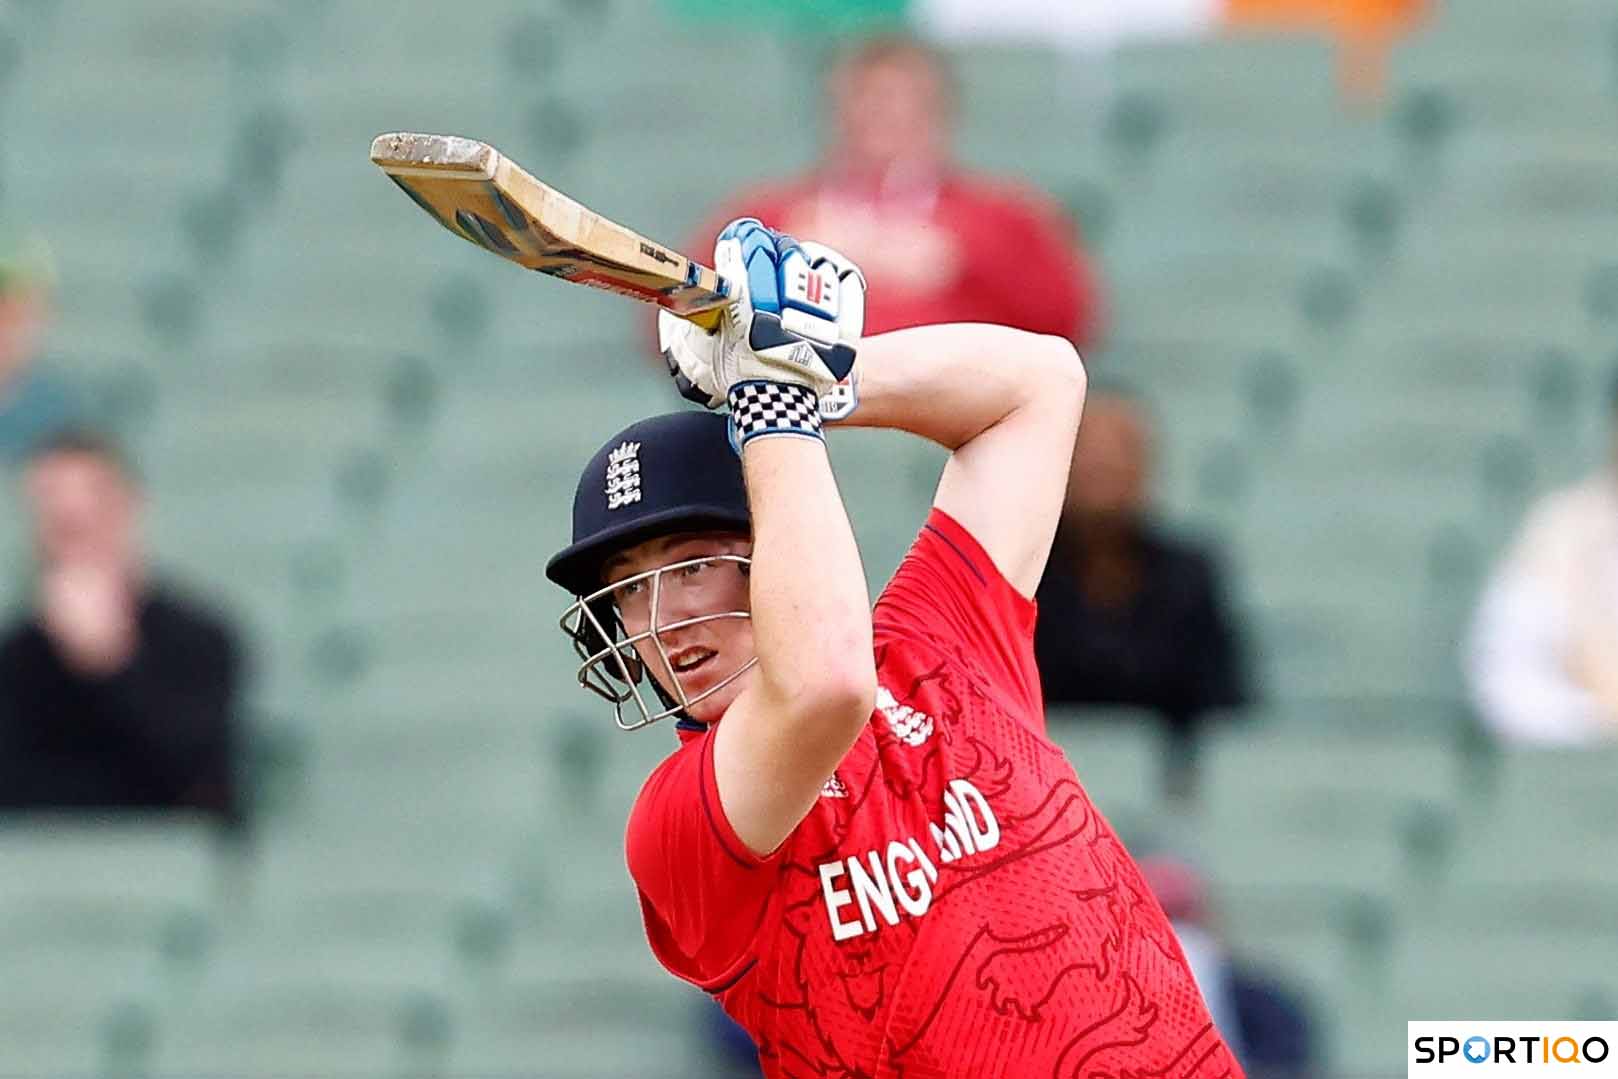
{"x": 1476, "y": 1049}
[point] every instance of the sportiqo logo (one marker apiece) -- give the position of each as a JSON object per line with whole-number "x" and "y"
{"x": 1435, "y": 1049}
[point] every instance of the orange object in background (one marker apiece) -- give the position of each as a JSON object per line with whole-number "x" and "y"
{"x": 1366, "y": 30}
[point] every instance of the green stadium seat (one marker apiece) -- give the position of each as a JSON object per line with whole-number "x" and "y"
{"x": 16, "y": 556}
{"x": 1223, "y": 478}
{"x": 1557, "y": 804}
{"x": 73, "y": 1029}
{"x": 212, "y": 221}
{"x": 1282, "y": 810}
{"x": 1454, "y": 567}
{"x": 388, "y": 921}
{"x": 1506, "y": 473}
{"x": 1237, "y": 84}
{"x": 172, "y": 308}
{"x": 583, "y": 1032}
{"x": 1328, "y": 298}
{"x": 579, "y": 895}
{"x": 259, "y": 48}
{"x": 1302, "y": 743}
{"x": 1372, "y": 213}
{"x": 1553, "y": 386}
{"x": 1516, "y": 970}
{"x": 1308, "y": 937}
{"x": 1272, "y": 384}
{"x": 1424, "y": 118}
{"x": 1118, "y": 755}
{"x": 278, "y": 755}
{"x": 112, "y": 880}
{"x": 1135, "y": 125}
{"x": 410, "y": 393}
{"x": 124, "y": 400}
{"x": 1575, "y": 784}
{"x": 338, "y": 1020}
{"x": 397, "y": 786}
{"x": 1544, "y": 180}
{"x": 11, "y": 53}
{"x": 1601, "y": 293}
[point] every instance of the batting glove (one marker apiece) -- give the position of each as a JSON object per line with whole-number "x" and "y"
{"x": 797, "y": 319}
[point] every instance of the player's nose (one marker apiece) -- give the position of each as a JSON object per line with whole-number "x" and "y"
{"x": 677, "y": 605}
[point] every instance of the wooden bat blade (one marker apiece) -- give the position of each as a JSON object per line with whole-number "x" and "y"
{"x": 481, "y": 196}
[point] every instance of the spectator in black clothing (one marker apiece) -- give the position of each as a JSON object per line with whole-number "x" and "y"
{"x": 1129, "y": 614}
{"x": 114, "y": 693}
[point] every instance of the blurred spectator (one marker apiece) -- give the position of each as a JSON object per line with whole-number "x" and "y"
{"x": 114, "y": 693}
{"x": 935, "y": 243}
{"x": 1543, "y": 658}
{"x": 32, "y": 405}
{"x": 1185, "y": 900}
{"x": 1265, "y": 1023}
{"x": 732, "y": 1047}
{"x": 1127, "y": 613}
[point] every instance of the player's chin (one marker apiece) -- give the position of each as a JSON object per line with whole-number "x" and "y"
{"x": 710, "y": 708}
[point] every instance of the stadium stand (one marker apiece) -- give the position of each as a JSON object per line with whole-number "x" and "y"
{"x": 1367, "y": 340}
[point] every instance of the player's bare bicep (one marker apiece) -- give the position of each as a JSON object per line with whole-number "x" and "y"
{"x": 1007, "y": 485}
{"x": 771, "y": 759}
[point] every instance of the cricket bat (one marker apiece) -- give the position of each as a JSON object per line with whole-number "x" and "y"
{"x": 486, "y": 199}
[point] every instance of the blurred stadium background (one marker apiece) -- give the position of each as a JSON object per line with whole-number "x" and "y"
{"x": 1369, "y": 335}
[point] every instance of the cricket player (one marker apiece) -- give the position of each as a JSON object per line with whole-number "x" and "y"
{"x": 865, "y": 846}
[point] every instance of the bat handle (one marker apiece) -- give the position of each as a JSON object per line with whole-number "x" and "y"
{"x": 709, "y": 319}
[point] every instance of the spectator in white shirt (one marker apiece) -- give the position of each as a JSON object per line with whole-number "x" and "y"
{"x": 1543, "y": 657}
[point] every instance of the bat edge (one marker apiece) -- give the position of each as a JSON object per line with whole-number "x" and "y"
{"x": 411, "y": 153}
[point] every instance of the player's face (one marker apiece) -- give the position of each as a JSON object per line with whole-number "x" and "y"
{"x": 695, "y": 581}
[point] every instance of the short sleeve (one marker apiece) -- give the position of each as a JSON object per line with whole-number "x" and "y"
{"x": 948, "y": 589}
{"x": 703, "y": 893}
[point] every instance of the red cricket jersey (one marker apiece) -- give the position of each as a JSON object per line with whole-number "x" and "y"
{"x": 954, "y": 905}
{"x": 1018, "y": 261}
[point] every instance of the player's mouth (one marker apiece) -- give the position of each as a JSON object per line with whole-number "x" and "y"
{"x": 687, "y": 660}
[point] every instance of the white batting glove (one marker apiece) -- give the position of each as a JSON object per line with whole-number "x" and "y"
{"x": 797, "y": 320}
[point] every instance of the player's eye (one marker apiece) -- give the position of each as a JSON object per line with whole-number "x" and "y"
{"x": 696, "y": 568}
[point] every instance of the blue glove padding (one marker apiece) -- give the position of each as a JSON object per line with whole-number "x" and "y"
{"x": 797, "y": 318}
{"x": 791, "y": 300}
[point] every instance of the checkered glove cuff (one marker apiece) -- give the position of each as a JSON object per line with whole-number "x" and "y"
{"x": 760, "y": 408}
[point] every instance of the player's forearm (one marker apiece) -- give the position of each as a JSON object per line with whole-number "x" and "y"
{"x": 811, "y": 612}
{"x": 951, "y": 383}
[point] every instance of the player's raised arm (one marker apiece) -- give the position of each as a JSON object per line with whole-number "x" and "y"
{"x": 788, "y": 340}
{"x": 1007, "y": 404}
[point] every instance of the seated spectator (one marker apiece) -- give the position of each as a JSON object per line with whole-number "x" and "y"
{"x": 115, "y": 693}
{"x": 1543, "y": 656}
{"x": 1265, "y": 1023}
{"x": 1184, "y": 898}
{"x": 1129, "y": 614}
{"x": 32, "y": 404}
{"x": 935, "y": 243}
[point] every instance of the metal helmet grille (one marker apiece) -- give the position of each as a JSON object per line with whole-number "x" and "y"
{"x": 610, "y": 666}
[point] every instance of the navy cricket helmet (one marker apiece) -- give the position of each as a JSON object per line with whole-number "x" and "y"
{"x": 672, "y": 473}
